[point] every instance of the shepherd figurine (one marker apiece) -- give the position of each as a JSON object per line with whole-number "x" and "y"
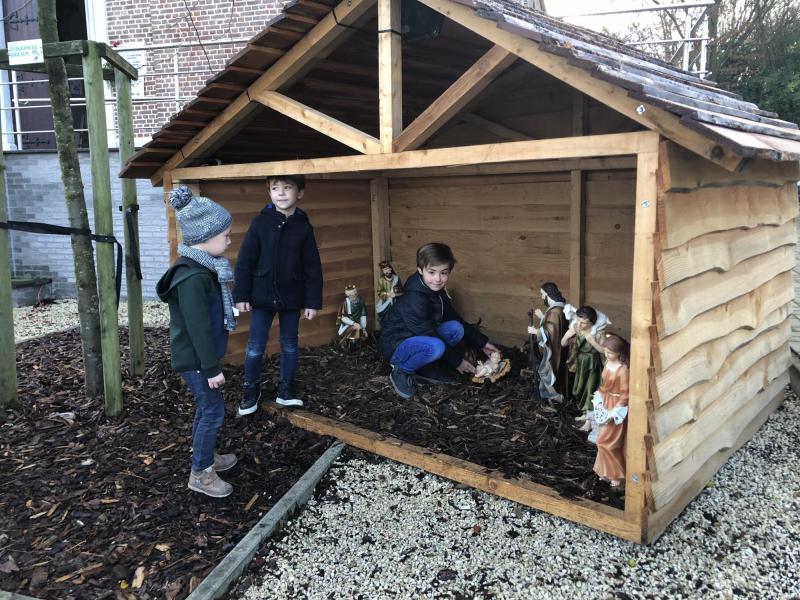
{"x": 352, "y": 319}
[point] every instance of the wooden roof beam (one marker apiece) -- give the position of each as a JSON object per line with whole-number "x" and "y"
{"x": 615, "y": 144}
{"x": 316, "y": 44}
{"x": 333, "y": 128}
{"x": 611, "y": 95}
{"x": 463, "y": 89}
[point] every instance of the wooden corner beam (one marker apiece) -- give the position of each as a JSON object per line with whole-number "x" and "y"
{"x": 341, "y": 132}
{"x": 113, "y": 58}
{"x": 453, "y": 99}
{"x": 315, "y": 45}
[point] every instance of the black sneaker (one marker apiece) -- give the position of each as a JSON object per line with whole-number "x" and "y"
{"x": 405, "y": 384}
{"x": 437, "y": 374}
{"x": 251, "y": 394}
{"x": 286, "y": 395}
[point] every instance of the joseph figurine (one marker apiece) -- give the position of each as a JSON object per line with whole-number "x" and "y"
{"x": 553, "y": 370}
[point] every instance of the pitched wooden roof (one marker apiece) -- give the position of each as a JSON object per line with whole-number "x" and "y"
{"x": 717, "y": 115}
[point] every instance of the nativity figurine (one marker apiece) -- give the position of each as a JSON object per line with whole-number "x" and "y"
{"x": 552, "y": 370}
{"x": 352, "y": 319}
{"x": 492, "y": 369}
{"x": 387, "y": 288}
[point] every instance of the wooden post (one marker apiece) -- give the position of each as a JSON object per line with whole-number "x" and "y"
{"x": 173, "y": 233}
{"x": 8, "y": 354}
{"x": 381, "y": 249}
{"x": 390, "y": 64}
{"x": 82, "y": 251}
{"x": 641, "y": 319}
{"x": 577, "y": 212}
{"x": 134, "y": 285}
{"x": 103, "y": 225}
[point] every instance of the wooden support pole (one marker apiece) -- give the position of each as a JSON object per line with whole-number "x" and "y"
{"x": 381, "y": 248}
{"x": 134, "y": 285}
{"x": 103, "y": 225}
{"x": 390, "y": 65}
{"x": 577, "y": 212}
{"x": 172, "y": 223}
{"x": 641, "y": 320}
{"x": 8, "y": 355}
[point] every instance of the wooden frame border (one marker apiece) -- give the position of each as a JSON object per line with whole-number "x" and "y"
{"x": 585, "y": 512}
{"x": 630, "y": 524}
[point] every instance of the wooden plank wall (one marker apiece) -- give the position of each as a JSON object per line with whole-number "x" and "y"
{"x": 510, "y": 233}
{"x": 724, "y": 259}
{"x": 339, "y": 210}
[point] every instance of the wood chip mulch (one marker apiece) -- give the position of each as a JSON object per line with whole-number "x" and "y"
{"x": 92, "y": 507}
{"x": 500, "y": 425}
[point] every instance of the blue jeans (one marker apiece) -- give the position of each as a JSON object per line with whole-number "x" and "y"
{"x": 260, "y": 322}
{"x": 208, "y": 417}
{"x": 417, "y": 351}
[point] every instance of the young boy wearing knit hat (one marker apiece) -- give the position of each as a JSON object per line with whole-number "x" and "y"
{"x": 201, "y": 313}
{"x": 278, "y": 272}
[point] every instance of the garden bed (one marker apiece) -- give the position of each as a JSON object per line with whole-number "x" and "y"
{"x": 501, "y": 426}
{"x": 98, "y": 508}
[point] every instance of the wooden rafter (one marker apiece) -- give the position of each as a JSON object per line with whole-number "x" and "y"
{"x": 341, "y": 132}
{"x": 655, "y": 118}
{"x": 390, "y": 64}
{"x": 454, "y": 98}
{"x": 315, "y": 45}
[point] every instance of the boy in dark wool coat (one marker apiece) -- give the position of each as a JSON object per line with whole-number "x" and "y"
{"x": 278, "y": 272}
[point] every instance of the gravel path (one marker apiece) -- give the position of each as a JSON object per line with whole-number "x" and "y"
{"x": 384, "y": 530}
{"x": 35, "y": 321}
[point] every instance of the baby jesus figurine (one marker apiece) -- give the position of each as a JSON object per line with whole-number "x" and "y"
{"x": 492, "y": 369}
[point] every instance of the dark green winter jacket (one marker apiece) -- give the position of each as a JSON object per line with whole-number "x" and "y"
{"x": 197, "y": 335}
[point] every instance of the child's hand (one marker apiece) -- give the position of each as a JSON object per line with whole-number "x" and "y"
{"x": 243, "y": 306}
{"x": 488, "y": 348}
{"x": 310, "y": 313}
{"x": 465, "y": 367}
{"x": 216, "y": 382}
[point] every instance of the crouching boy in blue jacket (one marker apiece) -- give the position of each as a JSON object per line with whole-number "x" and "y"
{"x": 200, "y": 317}
{"x": 423, "y": 327}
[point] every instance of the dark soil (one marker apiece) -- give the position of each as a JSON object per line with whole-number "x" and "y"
{"x": 500, "y": 425}
{"x": 92, "y": 507}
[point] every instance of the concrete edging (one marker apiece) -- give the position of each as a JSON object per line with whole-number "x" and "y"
{"x": 217, "y": 582}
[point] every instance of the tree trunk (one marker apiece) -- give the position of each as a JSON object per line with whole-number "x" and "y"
{"x": 713, "y": 45}
{"x": 82, "y": 252}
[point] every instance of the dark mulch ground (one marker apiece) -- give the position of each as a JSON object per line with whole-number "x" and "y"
{"x": 500, "y": 425}
{"x": 89, "y": 506}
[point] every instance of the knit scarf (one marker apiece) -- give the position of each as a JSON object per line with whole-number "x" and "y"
{"x": 220, "y": 266}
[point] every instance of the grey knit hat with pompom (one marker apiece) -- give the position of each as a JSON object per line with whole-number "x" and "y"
{"x": 200, "y": 218}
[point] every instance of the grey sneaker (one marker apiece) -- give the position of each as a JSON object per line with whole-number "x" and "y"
{"x": 405, "y": 384}
{"x": 223, "y": 462}
{"x": 208, "y": 482}
{"x": 286, "y": 395}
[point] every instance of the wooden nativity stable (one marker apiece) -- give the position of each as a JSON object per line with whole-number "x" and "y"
{"x": 539, "y": 151}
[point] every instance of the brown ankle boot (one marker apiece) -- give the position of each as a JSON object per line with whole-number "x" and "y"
{"x": 223, "y": 462}
{"x": 208, "y": 482}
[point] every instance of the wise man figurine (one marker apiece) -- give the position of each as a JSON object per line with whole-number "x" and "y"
{"x": 553, "y": 370}
{"x": 352, "y": 319}
{"x": 387, "y": 287}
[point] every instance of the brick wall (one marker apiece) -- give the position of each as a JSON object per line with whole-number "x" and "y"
{"x": 35, "y": 193}
{"x": 151, "y": 22}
